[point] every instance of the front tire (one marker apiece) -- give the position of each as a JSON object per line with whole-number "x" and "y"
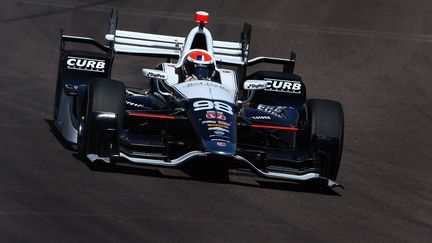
{"x": 58, "y": 96}
{"x": 103, "y": 96}
{"x": 325, "y": 126}
{"x": 82, "y": 140}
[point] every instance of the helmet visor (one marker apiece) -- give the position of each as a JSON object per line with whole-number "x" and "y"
{"x": 201, "y": 72}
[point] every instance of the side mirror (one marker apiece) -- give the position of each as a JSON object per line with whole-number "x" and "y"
{"x": 152, "y": 73}
{"x": 254, "y": 84}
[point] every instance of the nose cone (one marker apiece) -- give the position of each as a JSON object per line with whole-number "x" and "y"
{"x": 219, "y": 147}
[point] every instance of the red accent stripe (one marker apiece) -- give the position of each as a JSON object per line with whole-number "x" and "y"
{"x": 275, "y": 127}
{"x": 152, "y": 116}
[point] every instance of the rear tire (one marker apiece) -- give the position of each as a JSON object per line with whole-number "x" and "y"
{"x": 103, "y": 95}
{"x": 325, "y": 121}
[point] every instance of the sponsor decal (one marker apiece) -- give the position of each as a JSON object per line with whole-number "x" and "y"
{"x": 218, "y": 129}
{"x": 86, "y": 64}
{"x": 256, "y": 86}
{"x": 261, "y": 117}
{"x": 220, "y": 138}
{"x": 155, "y": 75}
{"x": 205, "y": 122}
{"x": 224, "y": 123}
{"x": 210, "y": 105}
{"x": 152, "y": 73}
{"x": 215, "y": 115}
{"x": 134, "y": 104}
{"x": 274, "y": 110}
{"x": 217, "y": 125}
{"x": 221, "y": 144}
{"x": 287, "y": 86}
{"x": 205, "y": 84}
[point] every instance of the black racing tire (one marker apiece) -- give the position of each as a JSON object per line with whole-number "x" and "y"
{"x": 325, "y": 120}
{"x": 82, "y": 138}
{"x": 103, "y": 95}
{"x": 107, "y": 95}
{"x": 57, "y": 97}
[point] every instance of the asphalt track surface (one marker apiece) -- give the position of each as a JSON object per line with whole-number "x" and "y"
{"x": 372, "y": 56}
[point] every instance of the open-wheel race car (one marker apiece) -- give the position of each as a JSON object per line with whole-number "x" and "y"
{"x": 195, "y": 110}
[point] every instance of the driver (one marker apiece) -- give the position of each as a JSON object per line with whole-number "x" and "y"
{"x": 198, "y": 65}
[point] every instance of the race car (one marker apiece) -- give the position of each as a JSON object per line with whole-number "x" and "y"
{"x": 202, "y": 105}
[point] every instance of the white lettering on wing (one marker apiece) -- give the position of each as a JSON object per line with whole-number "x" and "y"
{"x": 85, "y": 64}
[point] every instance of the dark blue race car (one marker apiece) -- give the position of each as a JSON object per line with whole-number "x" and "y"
{"x": 195, "y": 110}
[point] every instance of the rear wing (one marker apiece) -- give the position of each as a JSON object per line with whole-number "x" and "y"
{"x": 136, "y": 43}
{"x": 165, "y": 46}
{"x": 145, "y": 44}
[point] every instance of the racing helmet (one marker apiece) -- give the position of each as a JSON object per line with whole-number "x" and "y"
{"x": 198, "y": 64}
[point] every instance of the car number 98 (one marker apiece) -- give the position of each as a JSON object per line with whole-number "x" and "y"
{"x": 210, "y": 105}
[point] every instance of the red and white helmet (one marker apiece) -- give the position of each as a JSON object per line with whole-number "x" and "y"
{"x": 200, "y": 64}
